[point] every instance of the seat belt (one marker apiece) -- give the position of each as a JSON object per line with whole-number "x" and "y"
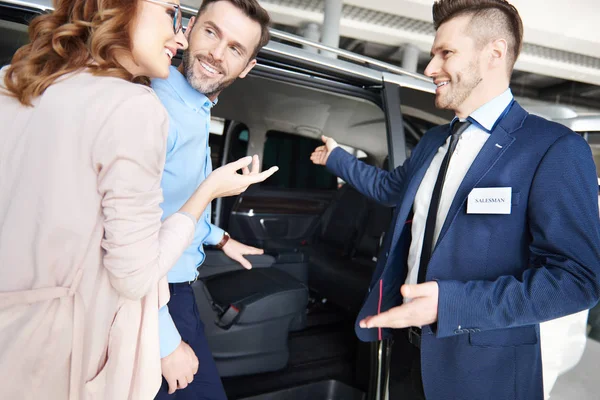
{"x": 226, "y": 316}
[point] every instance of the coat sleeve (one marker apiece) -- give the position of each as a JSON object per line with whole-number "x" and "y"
{"x": 129, "y": 156}
{"x": 564, "y": 268}
{"x": 379, "y": 185}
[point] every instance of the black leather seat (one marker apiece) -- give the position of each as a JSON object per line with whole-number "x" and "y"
{"x": 329, "y": 255}
{"x": 339, "y": 280}
{"x": 370, "y": 239}
{"x": 343, "y": 220}
{"x": 342, "y": 262}
{"x": 248, "y": 314}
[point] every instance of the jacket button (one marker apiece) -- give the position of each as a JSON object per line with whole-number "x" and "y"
{"x": 457, "y": 331}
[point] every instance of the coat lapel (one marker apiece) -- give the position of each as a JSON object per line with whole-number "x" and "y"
{"x": 411, "y": 191}
{"x": 498, "y": 142}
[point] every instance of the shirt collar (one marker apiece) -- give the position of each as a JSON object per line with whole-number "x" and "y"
{"x": 190, "y": 96}
{"x": 489, "y": 114}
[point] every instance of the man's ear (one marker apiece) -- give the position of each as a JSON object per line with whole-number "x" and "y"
{"x": 499, "y": 51}
{"x": 190, "y": 26}
{"x": 250, "y": 65}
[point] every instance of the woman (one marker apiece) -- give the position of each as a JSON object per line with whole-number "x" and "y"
{"x": 82, "y": 248}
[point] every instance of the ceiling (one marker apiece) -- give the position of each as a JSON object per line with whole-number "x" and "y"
{"x": 265, "y": 105}
{"x": 583, "y": 97}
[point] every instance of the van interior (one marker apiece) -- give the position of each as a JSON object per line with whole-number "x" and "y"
{"x": 317, "y": 230}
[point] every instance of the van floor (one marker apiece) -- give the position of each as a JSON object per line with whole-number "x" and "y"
{"x": 326, "y": 349}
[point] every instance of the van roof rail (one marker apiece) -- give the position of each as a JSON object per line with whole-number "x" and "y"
{"x": 348, "y": 55}
{"x": 363, "y": 60}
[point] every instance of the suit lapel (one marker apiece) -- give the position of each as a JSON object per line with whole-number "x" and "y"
{"x": 498, "y": 142}
{"x": 415, "y": 181}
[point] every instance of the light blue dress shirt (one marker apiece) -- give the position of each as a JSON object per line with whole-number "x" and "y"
{"x": 486, "y": 117}
{"x": 187, "y": 165}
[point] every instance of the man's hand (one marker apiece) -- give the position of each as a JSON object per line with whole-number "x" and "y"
{"x": 179, "y": 367}
{"x": 321, "y": 153}
{"x": 421, "y": 310}
{"x": 236, "y": 251}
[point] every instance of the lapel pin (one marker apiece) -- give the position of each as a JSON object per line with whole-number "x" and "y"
{"x": 498, "y": 146}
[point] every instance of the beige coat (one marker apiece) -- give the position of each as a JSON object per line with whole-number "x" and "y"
{"x": 82, "y": 248}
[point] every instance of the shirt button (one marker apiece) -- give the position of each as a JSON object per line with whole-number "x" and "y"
{"x": 387, "y": 254}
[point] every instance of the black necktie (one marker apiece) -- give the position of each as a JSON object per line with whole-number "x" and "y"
{"x": 457, "y": 129}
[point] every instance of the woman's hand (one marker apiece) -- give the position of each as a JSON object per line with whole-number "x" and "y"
{"x": 225, "y": 181}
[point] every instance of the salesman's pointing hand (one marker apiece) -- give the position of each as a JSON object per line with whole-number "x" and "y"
{"x": 420, "y": 310}
{"x": 321, "y": 153}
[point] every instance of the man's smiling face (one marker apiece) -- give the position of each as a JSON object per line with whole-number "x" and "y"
{"x": 222, "y": 41}
{"x": 456, "y": 66}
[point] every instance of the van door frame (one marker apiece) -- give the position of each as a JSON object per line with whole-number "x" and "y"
{"x": 381, "y": 351}
{"x": 394, "y": 125}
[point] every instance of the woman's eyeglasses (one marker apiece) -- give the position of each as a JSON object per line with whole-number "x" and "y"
{"x": 177, "y": 25}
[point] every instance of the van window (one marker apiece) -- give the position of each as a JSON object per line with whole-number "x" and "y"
{"x": 240, "y": 136}
{"x": 291, "y": 153}
{"x": 12, "y": 36}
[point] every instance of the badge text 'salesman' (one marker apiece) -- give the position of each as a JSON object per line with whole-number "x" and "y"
{"x": 491, "y": 200}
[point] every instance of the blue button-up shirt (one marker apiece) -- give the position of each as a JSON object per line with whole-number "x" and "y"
{"x": 486, "y": 117}
{"x": 187, "y": 165}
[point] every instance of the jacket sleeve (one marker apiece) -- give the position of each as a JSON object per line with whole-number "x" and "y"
{"x": 129, "y": 156}
{"x": 382, "y": 186}
{"x": 564, "y": 268}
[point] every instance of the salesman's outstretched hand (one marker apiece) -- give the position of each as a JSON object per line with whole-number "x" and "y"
{"x": 420, "y": 310}
{"x": 321, "y": 153}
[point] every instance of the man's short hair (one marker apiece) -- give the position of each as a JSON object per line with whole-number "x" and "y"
{"x": 491, "y": 19}
{"x": 252, "y": 10}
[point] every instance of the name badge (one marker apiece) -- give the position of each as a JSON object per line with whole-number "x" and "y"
{"x": 496, "y": 200}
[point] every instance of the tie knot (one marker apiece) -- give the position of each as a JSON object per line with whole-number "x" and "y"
{"x": 459, "y": 127}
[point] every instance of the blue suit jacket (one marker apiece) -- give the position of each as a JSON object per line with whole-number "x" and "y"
{"x": 499, "y": 276}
